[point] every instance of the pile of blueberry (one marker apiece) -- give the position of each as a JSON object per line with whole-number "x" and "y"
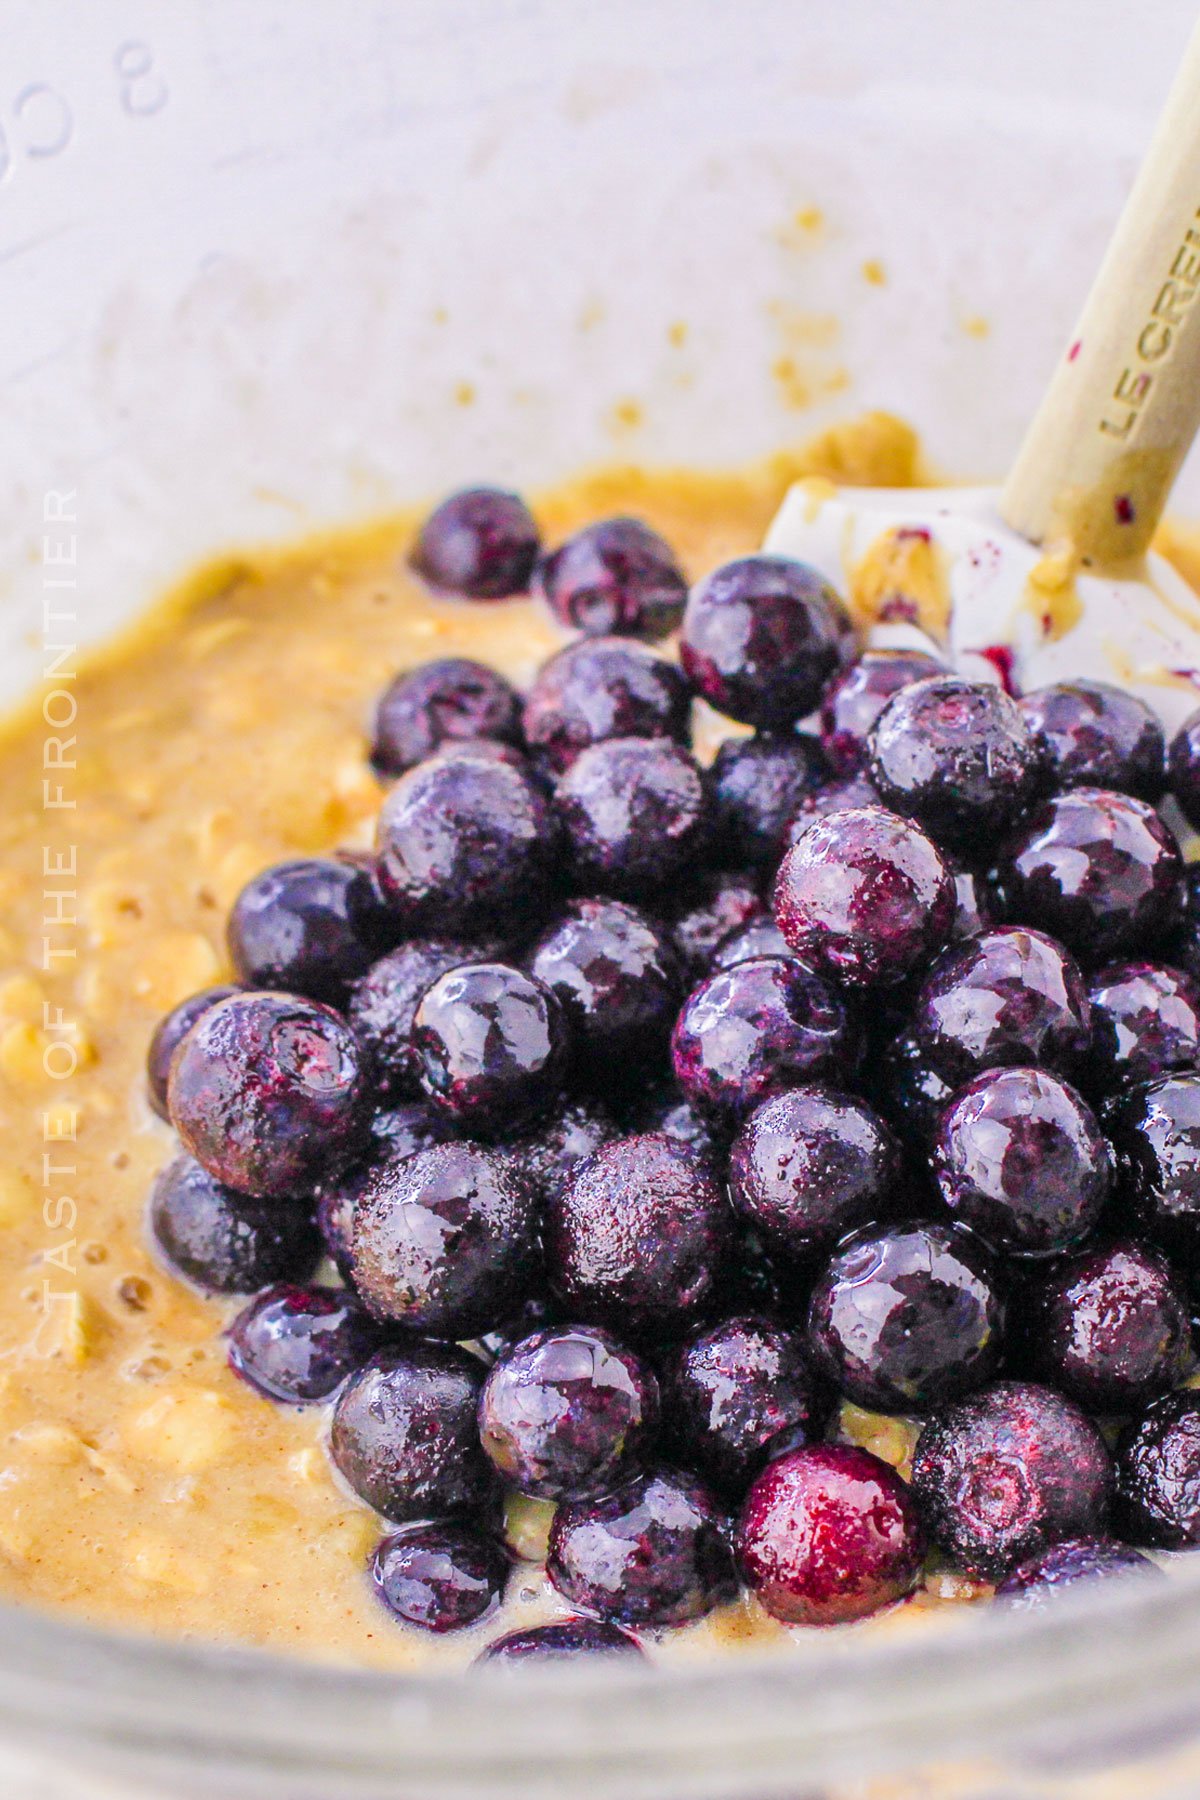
{"x": 650, "y": 1111}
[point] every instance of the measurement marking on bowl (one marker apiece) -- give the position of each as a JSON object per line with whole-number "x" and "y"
{"x": 41, "y": 121}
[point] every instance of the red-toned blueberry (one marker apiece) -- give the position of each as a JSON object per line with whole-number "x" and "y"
{"x": 855, "y": 791}
{"x": 467, "y": 844}
{"x": 761, "y": 637}
{"x": 481, "y": 543}
{"x": 910, "y": 1091}
{"x": 656, "y": 1552}
{"x": 563, "y": 1638}
{"x": 1095, "y": 735}
{"x": 450, "y": 701}
{"x": 548, "y": 1156}
{"x": 635, "y": 816}
{"x": 663, "y": 1109}
{"x": 1157, "y": 1137}
{"x": 1038, "y": 1582}
{"x": 865, "y": 897}
{"x": 810, "y": 1165}
{"x": 974, "y": 910}
{"x": 399, "y": 1132}
{"x": 270, "y": 1093}
{"x": 758, "y": 785}
{"x": 440, "y": 1577}
{"x": 738, "y": 1393}
{"x": 306, "y": 927}
{"x": 1011, "y": 996}
{"x": 1183, "y": 769}
{"x": 719, "y": 902}
{"x": 616, "y": 575}
{"x": 383, "y": 1006}
{"x": 445, "y": 1242}
{"x": 568, "y": 1413}
{"x": 225, "y": 1242}
{"x": 829, "y": 1534}
{"x": 1145, "y": 1023}
{"x": 603, "y": 688}
{"x": 404, "y": 1433}
{"x": 298, "y": 1344}
{"x": 638, "y": 1238}
{"x": 958, "y": 757}
{"x": 1003, "y": 1474}
{"x": 754, "y": 1030}
{"x": 1020, "y": 1158}
{"x": 761, "y": 937}
{"x": 169, "y": 1033}
{"x": 615, "y": 974}
{"x": 494, "y": 1045}
{"x": 1158, "y": 1474}
{"x": 1098, "y": 870}
{"x": 854, "y": 701}
{"x": 907, "y": 1318}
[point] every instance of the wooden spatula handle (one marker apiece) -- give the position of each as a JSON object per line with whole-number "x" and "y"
{"x": 1123, "y": 407}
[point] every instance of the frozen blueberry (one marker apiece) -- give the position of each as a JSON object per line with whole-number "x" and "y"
{"x": 707, "y": 911}
{"x": 169, "y": 1033}
{"x": 1038, "y": 1582}
{"x": 445, "y": 1242}
{"x": 656, "y": 1552}
{"x": 837, "y": 796}
{"x": 568, "y": 1413}
{"x": 298, "y": 1344}
{"x": 1145, "y": 1023}
{"x": 1158, "y": 1474}
{"x": 307, "y": 927}
{"x": 958, "y": 757}
{"x": 439, "y": 1577}
{"x": 754, "y": 1030}
{"x": 865, "y": 897}
{"x": 549, "y": 1155}
{"x": 1001, "y": 1475}
{"x": 1183, "y": 769}
{"x": 1099, "y": 736}
{"x": 1020, "y": 1158}
{"x": 761, "y": 937}
{"x": 973, "y": 906}
{"x": 638, "y": 1238}
{"x": 910, "y": 1091}
{"x": 383, "y": 1005}
{"x": 404, "y": 1433}
{"x": 738, "y": 1393}
{"x": 828, "y": 1534}
{"x": 616, "y": 976}
{"x": 399, "y": 1132}
{"x": 1098, "y": 870}
{"x": 270, "y": 1093}
{"x": 481, "y": 543}
{"x": 453, "y": 700}
{"x": 494, "y": 1045}
{"x": 635, "y": 816}
{"x": 663, "y": 1109}
{"x": 1010, "y": 996}
{"x": 1157, "y": 1137}
{"x": 225, "y": 1242}
{"x": 616, "y": 575}
{"x": 467, "y": 844}
{"x": 761, "y": 637}
{"x": 604, "y": 688}
{"x": 758, "y": 784}
{"x": 563, "y": 1638}
{"x": 1110, "y": 1327}
{"x": 854, "y": 701}
{"x": 810, "y": 1165}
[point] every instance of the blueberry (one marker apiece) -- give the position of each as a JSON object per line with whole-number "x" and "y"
{"x": 761, "y": 937}
{"x": 1145, "y": 1023}
{"x": 1157, "y": 1137}
{"x": 481, "y": 543}
{"x": 828, "y": 1534}
{"x": 1037, "y": 1582}
{"x": 754, "y": 1030}
{"x": 568, "y": 1414}
{"x": 270, "y": 1093}
{"x": 549, "y": 1156}
{"x": 1183, "y": 945}
{"x": 973, "y": 906}
{"x": 635, "y": 816}
{"x": 298, "y": 1344}
{"x": 399, "y": 1132}
{"x": 907, "y": 1318}
{"x": 439, "y": 1577}
{"x": 225, "y": 1242}
{"x": 616, "y": 976}
{"x": 1183, "y": 769}
{"x": 1003, "y": 1474}
{"x": 1110, "y": 1328}
{"x": 1099, "y": 736}
{"x": 654, "y": 1553}
{"x": 467, "y": 843}
{"x": 910, "y": 1091}
{"x": 445, "y": 1242}
{"x": 564, "y": 1638}
{"x": 450, "y": 701}
{"x": 616, "y": 575}
{"x": 864, "y": 897}
{"x": 707, "y": 911}
{"x": 638, "y": 1237}
{"x": 1098, "y": 870}
{"x": 761, "y": 637}
{"x": 1010, "y": 996}
{"x": 737, "y": 1393}
{"x": 758, "y": 784}
{"x": 854, "y": 701}
{"x": 404, "y": 1434}
{"x": 305, "y": 927}
{"x": 604, "y": 688}
{"x": 836, "y": 796}
{"x": 169, "y": 1033}
{"x": 810, "y": 1165}
{"x": 1158, "y": 1474}
{"x": 958, "y": 757}
{"x": 663, "y": 1109}
{"x": 494, "y": 1045}
{"x": 1020, "y": 1158}
{"x": 383, "y": 1005}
